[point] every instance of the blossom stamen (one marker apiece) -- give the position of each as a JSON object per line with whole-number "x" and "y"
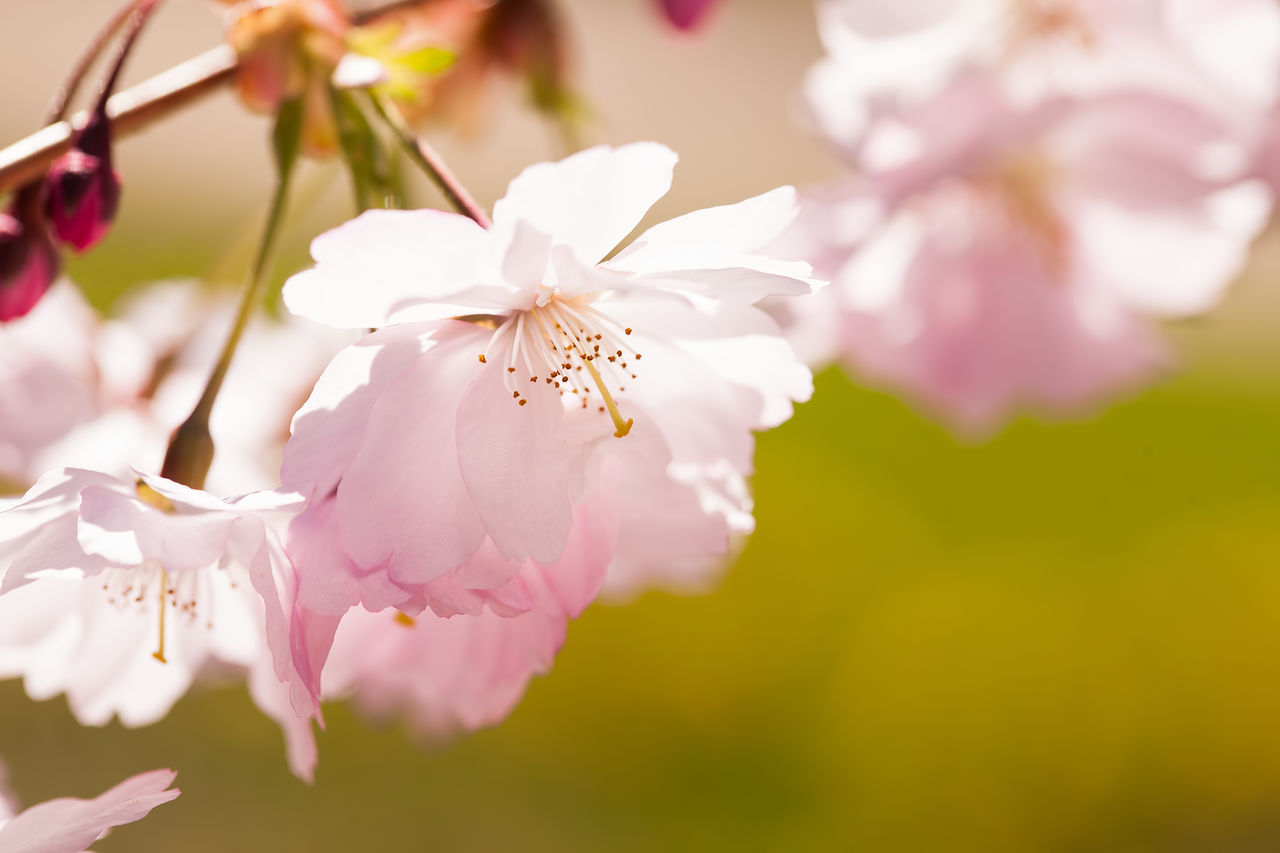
{"x": 573, "y": 335}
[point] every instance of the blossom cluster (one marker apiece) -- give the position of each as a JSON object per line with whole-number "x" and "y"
{"x": 1034, "y": 183}
{"x": 473, "y": 424}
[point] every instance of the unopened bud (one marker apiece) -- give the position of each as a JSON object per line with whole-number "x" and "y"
{"x": 28, "y": 260}
{"x": 686, "y": 14}
{"x": 287, "y": 50}
{"x": 82, "y": 190}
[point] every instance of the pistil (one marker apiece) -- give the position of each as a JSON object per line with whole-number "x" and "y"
{"x": 623, "y": 427}
{"x": 158, "y": 654}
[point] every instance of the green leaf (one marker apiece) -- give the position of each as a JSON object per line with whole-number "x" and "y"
{"x": 362, "y": 152}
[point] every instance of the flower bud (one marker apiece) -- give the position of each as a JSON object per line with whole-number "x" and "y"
{"x": 520, "y": 39}
{"x": 288, "y": 49}
{"x": 28, "y": 260}
{"x": 685, "y": 14}
{"x": 82, "y": 190}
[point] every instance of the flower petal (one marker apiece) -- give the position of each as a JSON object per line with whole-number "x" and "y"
{"x": 68, "y": 825}
{"x": 515, "y": 462}
{"x": 386, "y": 261}
{"x": 591, "y": 200}
{"x": 328, "y": 430}
{"x": 402, "y": 504}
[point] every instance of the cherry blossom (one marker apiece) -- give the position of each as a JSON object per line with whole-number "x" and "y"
{"x": 1009, "y": 244}
{"x": 288, "y": 49}
{"x": 465, "y": 659}
{"x": 437, "y": 438}
{"x": 119, "y": 594}
{"x": 883, "y": 56}
{"x": 48, "y": 370}
{"x": 68, "y": 825}
{"x": 151, "y": 361}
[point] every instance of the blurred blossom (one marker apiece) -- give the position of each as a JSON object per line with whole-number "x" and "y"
{"x": 465, "y": 663}
{"x": 49, "y": 375}
{"x": 288, "y": 49}
{"x": 70, "y": 825}
{"x": 457, "y": 666}
{"x": 152, "y": 361}
{"x": 1032, "y": 191}
{"x": 82, "y": 190}
{"x": 28, "y": 260}
{"x": 119, "y": 594}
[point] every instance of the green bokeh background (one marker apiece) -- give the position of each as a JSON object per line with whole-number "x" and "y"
{"x": 1063, "y": 638}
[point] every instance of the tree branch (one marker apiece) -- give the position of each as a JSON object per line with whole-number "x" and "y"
{"x": 129, "y": 111}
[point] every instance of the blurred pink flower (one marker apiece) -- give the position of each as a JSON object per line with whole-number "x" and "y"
{"x": 146, "y": 368}
{"x": 1019, "y": 219}
{"x": 467, "y": 669}
{"x": 437, "y": 437}
{"x": 119, "y": 594}
{"x": 48, "y": 379}
{"x": 464, "y": 662}
{"x": 68, "y": 825}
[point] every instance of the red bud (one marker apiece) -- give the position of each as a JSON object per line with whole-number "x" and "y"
{"x": 28, "y": 261}
{"x": 82, "y": 190}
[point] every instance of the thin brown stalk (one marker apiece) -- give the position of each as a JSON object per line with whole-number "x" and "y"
{"x": 67, "y": 92}
{"x": 129, "y": 111}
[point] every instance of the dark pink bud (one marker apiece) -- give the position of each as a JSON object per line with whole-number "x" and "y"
{"x": 28, "y": 260}
{"x": 686, "y": 14}
{"x": 82, "y": 190}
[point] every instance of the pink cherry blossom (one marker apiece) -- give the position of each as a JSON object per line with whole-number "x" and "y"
{"x": 118, "y": 594}
{"x": 1009, "y": 244}
{"x": 466, "y": 669}
{"x": 883, "y": 56}
{"x": 70, "y": 825}
{"x": 437, "y": 438}
{"x": 47, "y": 377}
{"x": 464, "y": 661}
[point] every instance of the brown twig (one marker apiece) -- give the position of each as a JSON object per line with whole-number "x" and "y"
{"x": 136, "y": 107}
{"x": 431, "y": 162}
{"x": 67, "y": 92}
{"x": 130, "y": 111}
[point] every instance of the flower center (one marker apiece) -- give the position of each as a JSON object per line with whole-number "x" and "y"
{"x": 151, "y": 585}
{"x": 1021, "y": 185}
{"x": 1036, "y": 23}
{"x": 569, "y": 344}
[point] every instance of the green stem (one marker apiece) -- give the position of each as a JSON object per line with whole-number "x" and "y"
{"x": 425, "y": 156}
{"x": 190, "y": 451}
